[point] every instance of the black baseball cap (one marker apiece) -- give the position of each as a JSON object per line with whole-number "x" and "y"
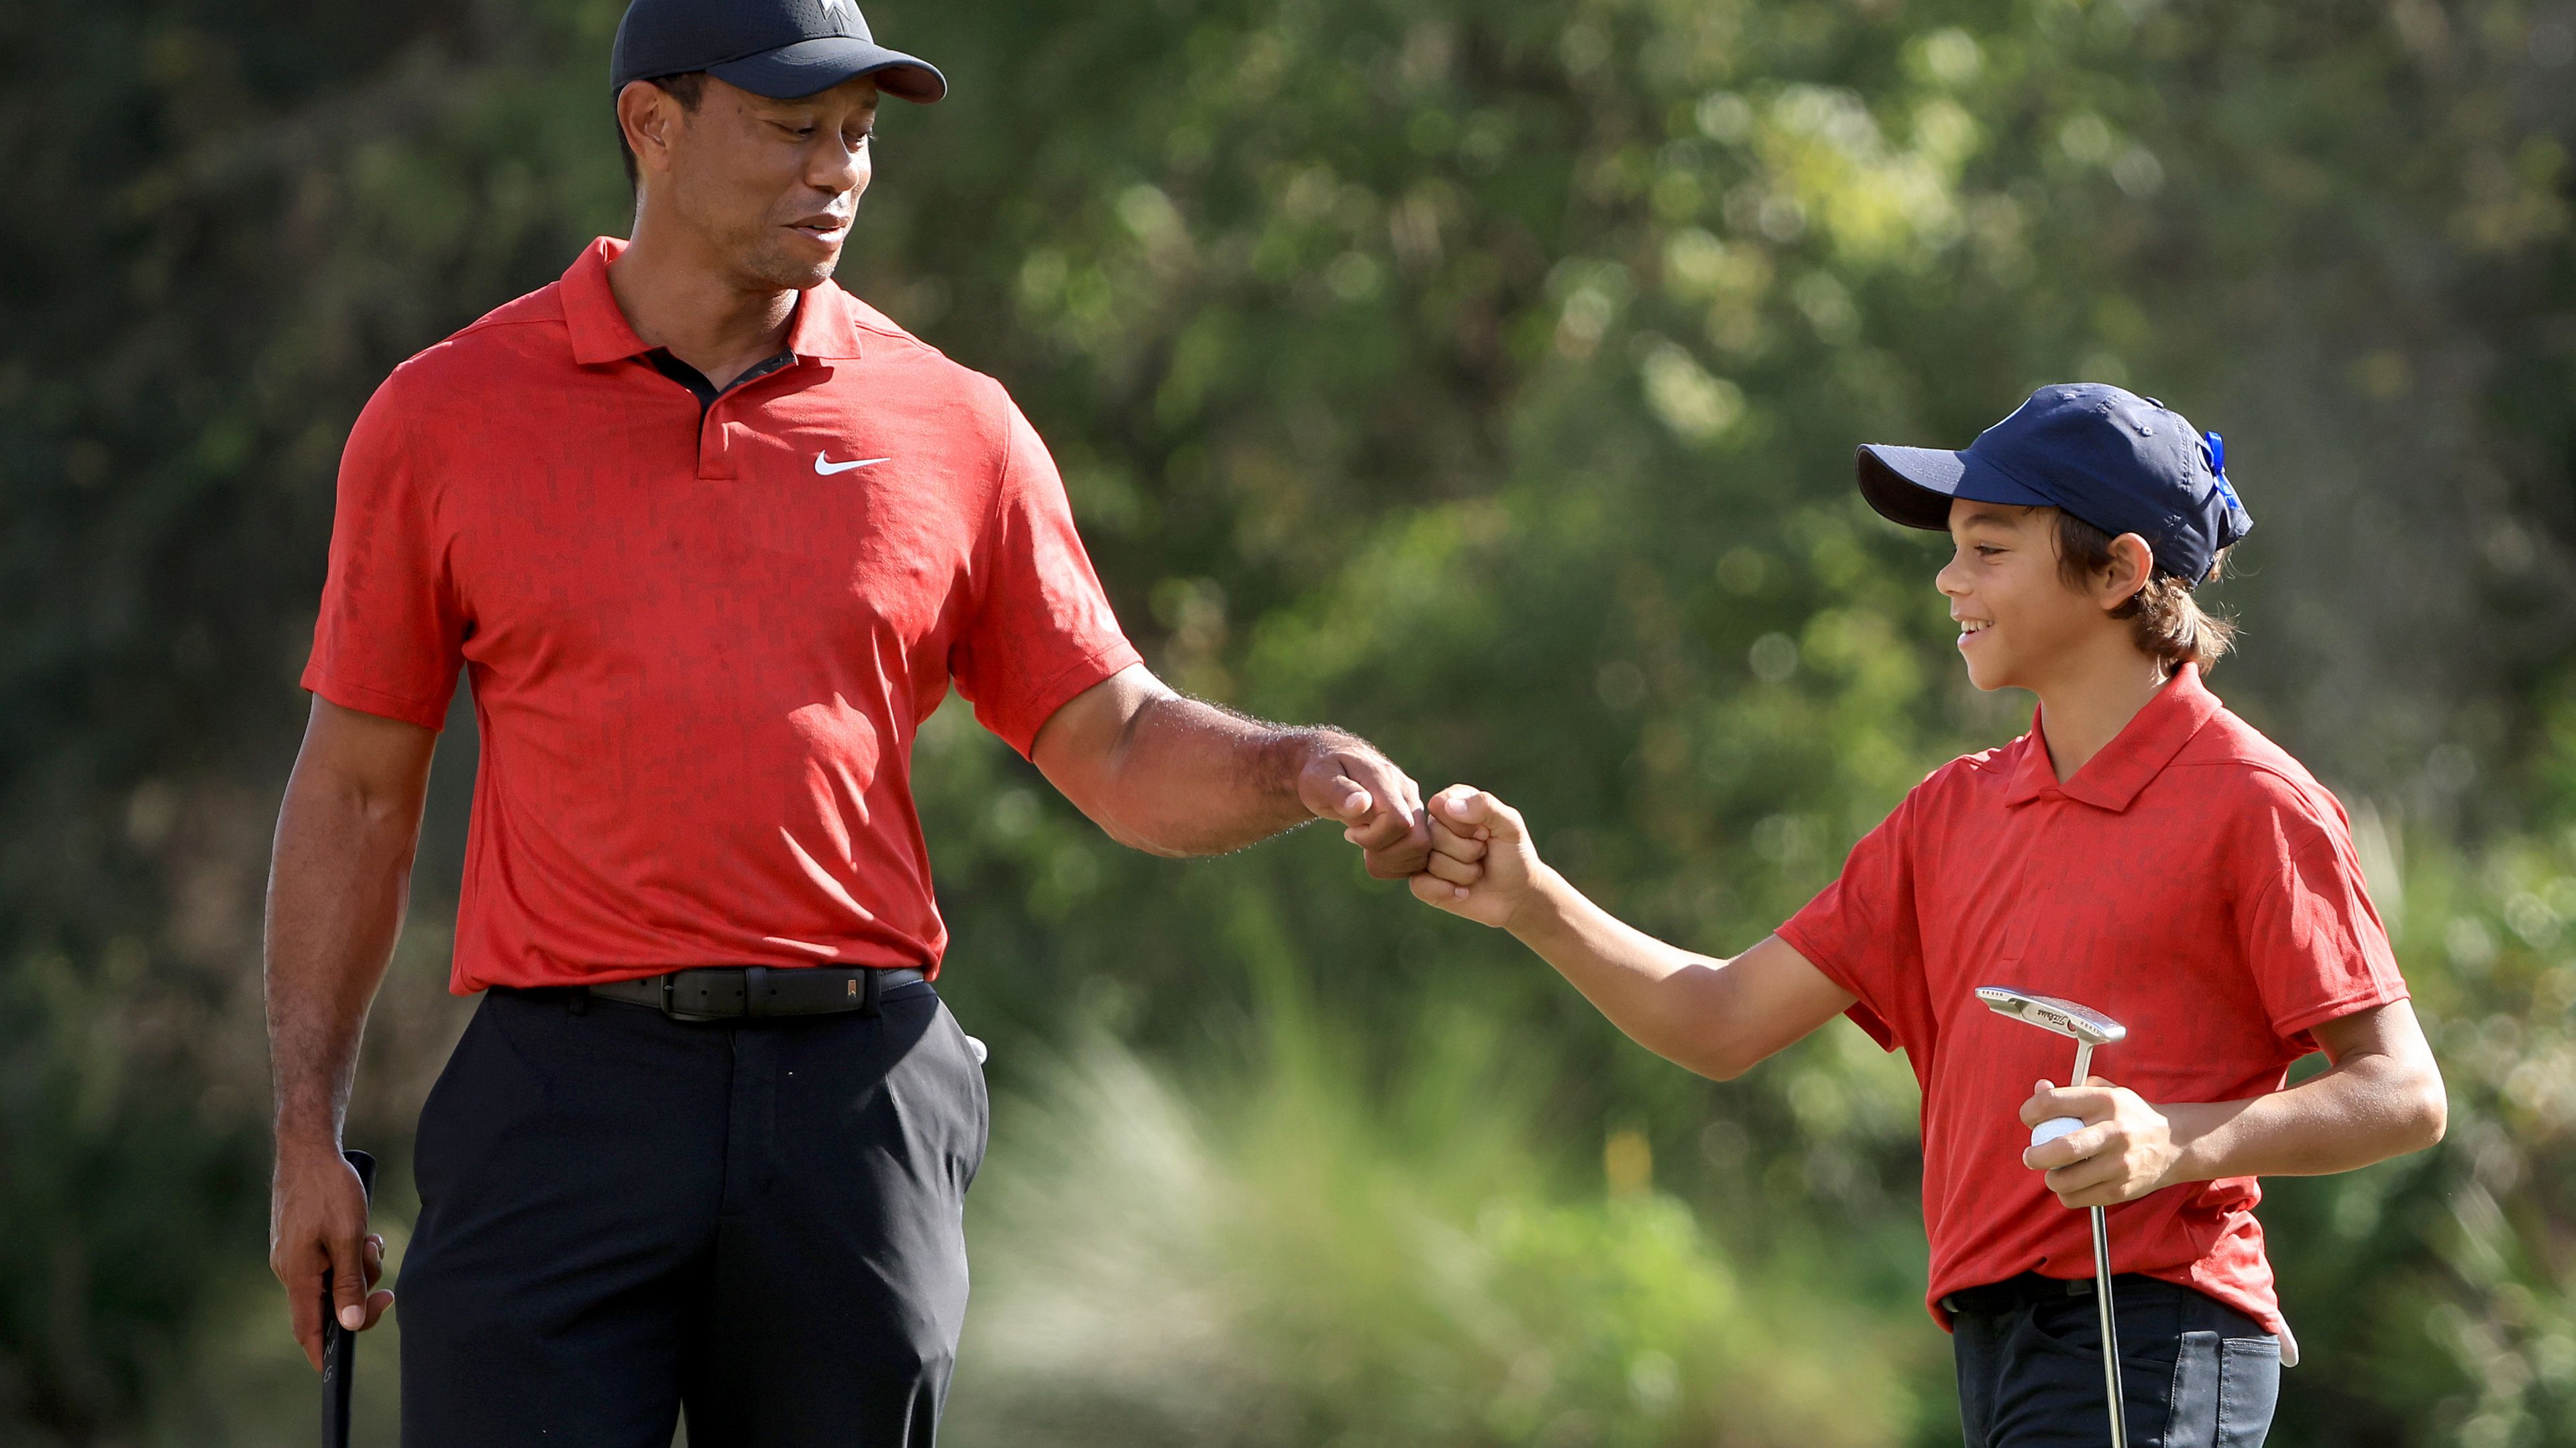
{"x": 2121, "y": 462}
{"x": 776, "y": 48}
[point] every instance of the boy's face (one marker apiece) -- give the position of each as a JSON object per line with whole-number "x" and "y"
{"x": 2019, "y": 621}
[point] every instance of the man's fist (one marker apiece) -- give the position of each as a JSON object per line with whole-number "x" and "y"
{"x": 2124, "y": 1149}
{"x": 1482, "y": 865}
{"x": 1379, "y": 806}
{"x": 318, "y": 1225}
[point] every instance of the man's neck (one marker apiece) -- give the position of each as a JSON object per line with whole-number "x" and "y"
{"x": 2090, "y": 700}
{"x": 678, "y": 297}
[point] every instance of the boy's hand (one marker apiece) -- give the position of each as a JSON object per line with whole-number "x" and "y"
{"x": 2124, "y": 1150}
{"x": 1482, "y": 863}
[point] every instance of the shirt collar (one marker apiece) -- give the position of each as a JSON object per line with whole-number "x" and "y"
{"x": 822, "y": 327}
{"x": 2112, "y": 779}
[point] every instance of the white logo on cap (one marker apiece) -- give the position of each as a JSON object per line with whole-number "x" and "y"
{"x": 845, "y": 11}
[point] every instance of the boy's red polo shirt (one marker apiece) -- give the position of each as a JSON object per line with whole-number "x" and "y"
{"x": 699, "y": 646}
{"x": 2192, "y": 881}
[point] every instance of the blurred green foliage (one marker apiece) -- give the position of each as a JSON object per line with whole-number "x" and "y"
{"x": 1483, "y": 377}
{"x": 1314, "y": 1260}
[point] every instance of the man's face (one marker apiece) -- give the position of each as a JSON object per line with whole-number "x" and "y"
{"x": 769, "y": 186}
{"x": 2018, "y": 619}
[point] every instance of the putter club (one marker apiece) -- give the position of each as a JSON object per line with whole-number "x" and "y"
{"x": 2088, "y": 1028}
{"x": 339, "y": 1344}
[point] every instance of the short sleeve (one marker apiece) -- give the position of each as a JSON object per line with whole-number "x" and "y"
{"x": 390, "y": 636}
{"x": 2312, "y": 939}
{"x": 1041, "y": 630}
{"x": 1861, "y": 930}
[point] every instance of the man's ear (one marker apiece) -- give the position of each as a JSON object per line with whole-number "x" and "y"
{"x": 646, "y": 112}
{"x": 2132, "y": 564}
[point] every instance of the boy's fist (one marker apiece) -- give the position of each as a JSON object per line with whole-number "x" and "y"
{"x": 1482, "y": 864}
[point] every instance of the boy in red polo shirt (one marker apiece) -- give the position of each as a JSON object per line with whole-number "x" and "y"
{"x": 2141, "y": 850}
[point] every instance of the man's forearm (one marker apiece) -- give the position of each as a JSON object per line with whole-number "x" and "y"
{"x": 1177, "y": 776}
{"x": 2365, "y": 1110}
{"x": 337, "y": 887}
{"x": 1190, "y": 778}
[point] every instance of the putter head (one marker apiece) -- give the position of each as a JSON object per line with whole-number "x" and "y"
{"x": 2066, "y": 1018}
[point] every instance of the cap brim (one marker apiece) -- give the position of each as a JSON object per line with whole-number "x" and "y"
{"x": 812, "y": 66}
{"x": 1916, "y": 485}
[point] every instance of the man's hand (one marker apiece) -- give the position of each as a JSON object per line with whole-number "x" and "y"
{"x": 2124, "y": 1150}
{"x": 1379, "y": 805}
{"x": 318, "y": 1224}
{"x": 1482, "y": 864}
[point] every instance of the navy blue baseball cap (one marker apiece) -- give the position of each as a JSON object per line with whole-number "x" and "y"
{"x": 781, "y": 49}
{"x": 2121, "y": 462}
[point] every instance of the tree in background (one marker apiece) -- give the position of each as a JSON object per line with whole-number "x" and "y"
{"x": 1383, "y": 344}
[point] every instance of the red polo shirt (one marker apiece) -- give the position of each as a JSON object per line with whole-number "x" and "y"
{"x": 2191, "y": 881}
{"x": 699, "y": 645}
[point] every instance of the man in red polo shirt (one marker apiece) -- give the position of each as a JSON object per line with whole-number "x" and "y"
{"x": 710, "y": 538}
{"x": 2141, "y": 850}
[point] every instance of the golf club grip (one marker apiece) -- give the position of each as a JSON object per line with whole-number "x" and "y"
{"x": 339, "y": 1344}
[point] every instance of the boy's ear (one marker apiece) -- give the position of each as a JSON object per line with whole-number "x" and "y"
{"x": 2132, "y": 564}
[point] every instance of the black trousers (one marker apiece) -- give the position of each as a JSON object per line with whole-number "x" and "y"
{"x": 2194, "y": 1372}
{"x": 625, "y": 1217}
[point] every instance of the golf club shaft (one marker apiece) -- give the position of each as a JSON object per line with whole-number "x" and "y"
{"x": 340, "y": 1345}
{"x": 2110, "y": 1330}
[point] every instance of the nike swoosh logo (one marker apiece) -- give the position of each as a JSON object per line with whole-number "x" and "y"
{"x": 824, "y": 465}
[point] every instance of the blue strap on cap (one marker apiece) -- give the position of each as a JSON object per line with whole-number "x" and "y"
{"x": 2218, "y": 470}
{"x": 2239, "y": 522}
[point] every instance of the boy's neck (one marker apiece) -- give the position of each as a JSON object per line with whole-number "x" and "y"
{"x": 2086, "y": 705}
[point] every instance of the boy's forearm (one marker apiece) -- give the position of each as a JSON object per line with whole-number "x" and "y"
{"x": 1715, "y": 1017}
{"x": 2364, "y": 1110}
{"x": 1667, "y": 999}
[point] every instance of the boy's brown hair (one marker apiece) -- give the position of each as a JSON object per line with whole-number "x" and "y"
{"x": 2170, "y": 625}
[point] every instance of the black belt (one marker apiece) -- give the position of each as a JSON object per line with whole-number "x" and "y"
{"x": 2028, "y": 1290}
{"x": 756, "y": 992}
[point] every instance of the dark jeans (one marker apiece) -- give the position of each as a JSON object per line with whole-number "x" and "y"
{"x": 625, "y": 1216}
{"x": 2195, "y": 1372}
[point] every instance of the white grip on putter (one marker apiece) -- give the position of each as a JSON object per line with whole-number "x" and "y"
{"x": 2053, "y": 1128}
